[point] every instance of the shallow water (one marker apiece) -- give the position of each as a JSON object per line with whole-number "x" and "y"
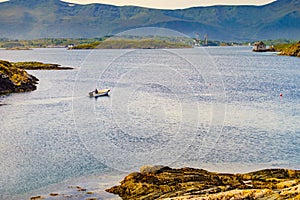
{"x": 216, "y": 108}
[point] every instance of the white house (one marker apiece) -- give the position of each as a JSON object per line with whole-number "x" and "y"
{"x": 259, "y": 46}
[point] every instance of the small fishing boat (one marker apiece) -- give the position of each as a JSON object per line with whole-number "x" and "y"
{"x": 98, "y": 93}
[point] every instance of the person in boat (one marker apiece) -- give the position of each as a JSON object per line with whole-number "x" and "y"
{"x": 96, "y": 91}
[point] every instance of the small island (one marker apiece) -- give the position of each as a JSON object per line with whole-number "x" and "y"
{"x": 161, "y": 182}
{"x": 18, "y": 48}
{"x": 135, "y": 43}
{"x": 14, "y": 78}
{"x": 39, "y": 66}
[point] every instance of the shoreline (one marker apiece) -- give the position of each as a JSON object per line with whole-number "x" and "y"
{"x": 78, "y": 188}
{"x": 163, "y": 182}
{"x": 93, "y": 186}
{"x": 14, "y": 78}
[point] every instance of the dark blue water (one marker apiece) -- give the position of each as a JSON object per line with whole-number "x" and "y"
{"x": 216, "y": 108}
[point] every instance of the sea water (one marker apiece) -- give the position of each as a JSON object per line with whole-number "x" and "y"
{"x": 217, "y": 108}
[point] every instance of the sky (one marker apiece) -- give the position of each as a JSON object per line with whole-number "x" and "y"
{"x": 171, "y": 4}
{"x": 174, "y": 4}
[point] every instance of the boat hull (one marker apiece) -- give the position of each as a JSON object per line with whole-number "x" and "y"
{"x": 100, "y": 93}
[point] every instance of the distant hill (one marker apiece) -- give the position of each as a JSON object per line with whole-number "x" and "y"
{"x": 146, "y": 43}
{"x": 28, "y": 19}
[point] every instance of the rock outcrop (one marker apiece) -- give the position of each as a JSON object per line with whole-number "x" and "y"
{"x": 13, "y": 79}
{"x": 293, "y": 50}
{"x": 39, "y": 66}
{"x": 189, "y": 183}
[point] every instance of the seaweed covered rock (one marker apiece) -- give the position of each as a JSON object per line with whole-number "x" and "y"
{"x": 13, "y": 79}
{"x": 189, "y": 183}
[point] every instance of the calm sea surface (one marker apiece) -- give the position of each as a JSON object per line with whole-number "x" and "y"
{"x": 217, "y": 108}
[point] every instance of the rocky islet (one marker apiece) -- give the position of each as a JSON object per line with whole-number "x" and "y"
{"x": 189, "y": 183}
{"x": 14, "y": 78}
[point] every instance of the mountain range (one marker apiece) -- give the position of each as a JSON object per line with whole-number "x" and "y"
{"x": 31, "y": 19}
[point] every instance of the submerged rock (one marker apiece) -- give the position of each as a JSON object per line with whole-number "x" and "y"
{"x": 189, "y": 183}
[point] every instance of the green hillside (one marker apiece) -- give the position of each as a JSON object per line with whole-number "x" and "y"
{"x": 28, "y": 19}
{"x": 137, "y": 43}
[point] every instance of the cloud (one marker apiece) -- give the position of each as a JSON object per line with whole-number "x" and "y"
{"x": 175, "y": 4}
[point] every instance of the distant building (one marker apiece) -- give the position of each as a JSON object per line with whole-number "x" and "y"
{"x": 259, "y": 46}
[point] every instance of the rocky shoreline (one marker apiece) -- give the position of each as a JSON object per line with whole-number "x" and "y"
{"x": 161, "y": 182}
{"x": 14, "y": 78}
{"x": 39, "y": 66}
{"x": 293, "y": 50}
